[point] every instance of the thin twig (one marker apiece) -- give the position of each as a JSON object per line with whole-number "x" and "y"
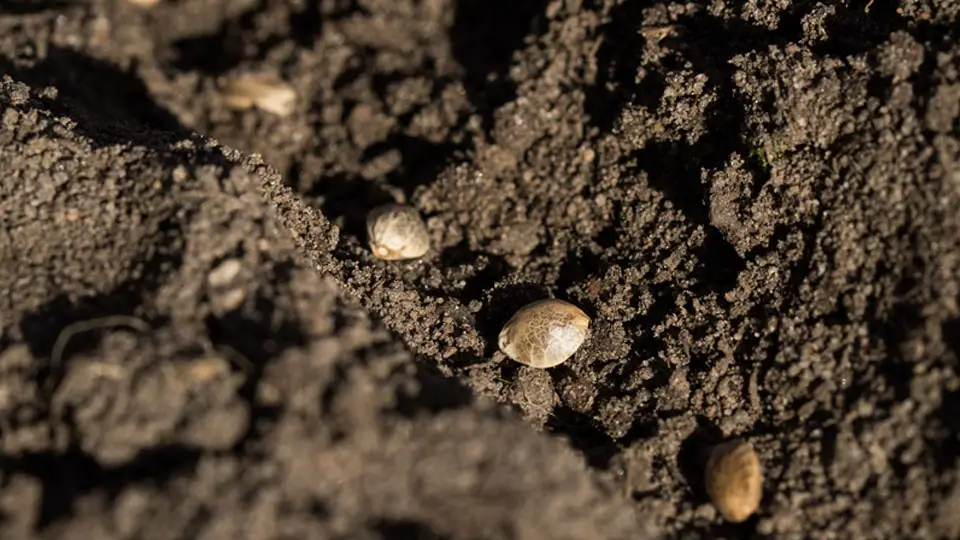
{"x": 56, "y": 355}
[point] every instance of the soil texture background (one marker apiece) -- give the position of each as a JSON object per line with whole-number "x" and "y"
{"x": 757, "y": 202}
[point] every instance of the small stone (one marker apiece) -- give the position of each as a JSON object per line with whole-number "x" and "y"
{"x": 545, "y": 333}
{"x": 397, "y": 232}
{"x": 734, "y": 480}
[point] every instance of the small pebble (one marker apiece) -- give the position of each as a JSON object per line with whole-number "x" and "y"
{"x": 264, "y": 92}
{"x": 397, "y": 232}
{"x": 545, "y": 333}
{"x": 734, "y": 480}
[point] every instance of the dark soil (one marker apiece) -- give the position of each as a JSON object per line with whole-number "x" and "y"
{"x": 757, "y": 202}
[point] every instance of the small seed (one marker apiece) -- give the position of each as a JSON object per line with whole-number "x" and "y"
{"x": 262, "y": 91}
{"x": 735, "y": 480}
{"x": 545, "y": 333}
{"x": 397, "y": 232}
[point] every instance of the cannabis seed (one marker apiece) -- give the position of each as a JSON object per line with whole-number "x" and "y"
{"x": 261, "y": 91}
{"x": 545, "y": 333}
{"x": 735, "y": 480}
{"x": 397, "y": 232}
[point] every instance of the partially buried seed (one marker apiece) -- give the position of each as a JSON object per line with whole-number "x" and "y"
{"x": 545, "y": 333}
{"x": 735, "y": 480}
{"x": 397, "y": 232}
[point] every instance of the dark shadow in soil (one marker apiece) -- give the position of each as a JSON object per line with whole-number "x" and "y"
{"x": 26, "y": 7}
{"x": 693, "y": 456}
{"x": 947, "y": 450}
{"x": 345, "y": 200}
{"x": 644, "y": 351}
{"x": 484, "y": 37}
{"x": 221, "y": 51}
{"x": 678, "y": 178}
{"x": 578, "y": 267}
{"x": 422, "y": 159}
{"x": 951, "y": 334}
{"x": 584, "y": 435}
{"x": 853, "y": 30}
{"x": 255, "y": 332}
{"x": 894, "y": 331}
{"x": 67, "y": 477}
{"x": 108, "y": 104}
{"x": 436, "y": 393}
{"x": 41, "y": 328}
{"x": 258, "y": 333}
{"x": 619, "y": 58}
{"x": 306, "y": 25}
{"x": 396, "y": 529}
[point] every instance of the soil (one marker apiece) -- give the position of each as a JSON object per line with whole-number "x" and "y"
{"x": 758, "y": 204}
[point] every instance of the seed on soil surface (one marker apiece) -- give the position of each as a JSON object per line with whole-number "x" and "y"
{"x": 545, "y": 333}
{"x": 734, "y": 480}
{"x": 397, "y": 232}
{"x": 264, "y": 92}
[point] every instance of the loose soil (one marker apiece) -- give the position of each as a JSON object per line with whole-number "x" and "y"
{"x": 758, "y": 203}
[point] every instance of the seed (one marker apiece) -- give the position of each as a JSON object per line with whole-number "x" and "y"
{"x": 262, "y": 91}
{"x": 397, "y": 232}
{"x": 735, "y": 480}
{"x": 545, "y": 333}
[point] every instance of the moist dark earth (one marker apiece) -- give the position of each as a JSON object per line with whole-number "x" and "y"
{"x": 757, "y": 203}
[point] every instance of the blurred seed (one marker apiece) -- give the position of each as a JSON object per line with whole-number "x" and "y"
{"x": 226, "y": 290}
{"x": 735, "y": 480}
{"x": 264, "y": 92}
{"x": 144, "y": 3}
{"x": 545, "y": 333}
{"x": 225, "y": 272}
{"x": 397, "y": 232}
{"x": 206, "y": 369}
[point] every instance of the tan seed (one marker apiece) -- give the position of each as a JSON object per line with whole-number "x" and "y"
{"x": 397, "y": 232}
{"x": 545, "y": 333}
{"x": 264, "y": 92}
{"x": 735, "y": 480}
